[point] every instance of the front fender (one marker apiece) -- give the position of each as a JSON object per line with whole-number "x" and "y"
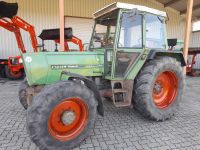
{"x": 91, "y": 85}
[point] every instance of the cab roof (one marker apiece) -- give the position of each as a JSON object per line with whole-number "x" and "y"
{"x": 118, "y": 5}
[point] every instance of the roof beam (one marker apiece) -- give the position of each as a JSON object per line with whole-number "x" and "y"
{"x": 171, "y": 2}
{"x": 194, "y": 8}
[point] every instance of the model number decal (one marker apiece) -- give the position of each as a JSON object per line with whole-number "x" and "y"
{"x": 60, "y": 67}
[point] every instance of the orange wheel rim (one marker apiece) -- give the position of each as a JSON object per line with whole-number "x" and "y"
{"x": 165, "y": 89}
{"x": 68, "y": 119}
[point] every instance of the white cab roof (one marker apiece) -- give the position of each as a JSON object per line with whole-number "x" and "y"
{"x": 118, "y": 5}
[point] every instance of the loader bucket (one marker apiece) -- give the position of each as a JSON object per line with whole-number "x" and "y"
{"x": 54, "y": 34}
{"x": 8, "y": 10}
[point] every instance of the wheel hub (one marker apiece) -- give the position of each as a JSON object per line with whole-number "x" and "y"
{"x": 68, "y": 117}
{"x": 165, "y": 89}
{"x": 157, "y": 88}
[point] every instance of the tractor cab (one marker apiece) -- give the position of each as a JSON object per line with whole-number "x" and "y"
{"x": 126, "y": 32}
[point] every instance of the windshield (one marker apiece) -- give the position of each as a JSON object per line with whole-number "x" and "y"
{"x": 104, "y": 32}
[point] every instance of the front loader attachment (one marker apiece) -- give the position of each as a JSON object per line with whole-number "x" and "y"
{"x": 54, "y": 34}
{"x": 8, "y": 10}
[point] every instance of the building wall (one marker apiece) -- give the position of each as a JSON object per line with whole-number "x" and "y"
{"x": 43, "y": 14}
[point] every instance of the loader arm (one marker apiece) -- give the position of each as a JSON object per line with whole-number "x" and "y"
{"x": 20, "y": 23}
{"x": 13, "y": 23}
{"x": 16, "y": 30}
{"x": 74, "y": 40}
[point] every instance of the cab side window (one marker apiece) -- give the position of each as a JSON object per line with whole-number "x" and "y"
{"x": 154, "y": 32}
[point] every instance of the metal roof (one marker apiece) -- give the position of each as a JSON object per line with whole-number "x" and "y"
{"x": 118, "y": 5}
{"x": 181, "y": 6}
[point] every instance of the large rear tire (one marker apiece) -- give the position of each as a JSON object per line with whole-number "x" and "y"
{"x": 158, "y": 88}
{"x": 13, "y": 75}
{"x": 61, "y": 116}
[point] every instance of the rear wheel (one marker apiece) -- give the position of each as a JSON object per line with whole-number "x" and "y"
{"x": 13, "y": 75}
{"x": 158, "y": 88}
{"x": 61, "y": 116}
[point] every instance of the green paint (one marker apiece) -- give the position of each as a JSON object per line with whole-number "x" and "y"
{"x": 46, "y": 67}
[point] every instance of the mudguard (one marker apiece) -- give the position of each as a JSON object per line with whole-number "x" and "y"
{"x": 91, "y": 85}
{"x": 176, "y": 54}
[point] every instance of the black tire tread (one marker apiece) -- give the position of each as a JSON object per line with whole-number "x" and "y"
{"x": 142, "y": 98}
{"x": 22, "y": 93}
{"x": 37, "y": 129}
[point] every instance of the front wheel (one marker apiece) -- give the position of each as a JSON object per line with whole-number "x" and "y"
{"x": 61, "y": 116}
{"x": 158, "y": 88}
{"x": 23, "y": 94}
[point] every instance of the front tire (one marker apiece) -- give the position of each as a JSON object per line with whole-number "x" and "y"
{"x": 61, "y": 116}
{"x": 158, "y": 88}
{"x": 23, "y": 94}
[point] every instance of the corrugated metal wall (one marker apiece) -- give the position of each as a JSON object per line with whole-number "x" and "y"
{"x": 40, "y": 13}
{"x": 43, "y": 14}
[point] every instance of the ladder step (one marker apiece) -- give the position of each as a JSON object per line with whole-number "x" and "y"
{"x": 120, "y": 91}
{"x": 122, "y": 104}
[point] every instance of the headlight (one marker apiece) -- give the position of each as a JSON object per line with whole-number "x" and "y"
{"x": 20, "y": 61}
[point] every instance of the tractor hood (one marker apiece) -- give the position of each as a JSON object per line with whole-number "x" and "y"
{"x": 8, "y": 10}
{"x": 46, "y": 67}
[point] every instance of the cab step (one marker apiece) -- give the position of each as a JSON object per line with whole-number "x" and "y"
{"x": 122, "y": 92}
{"x": 122, "y": 104}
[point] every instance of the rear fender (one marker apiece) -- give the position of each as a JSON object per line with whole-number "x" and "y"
{"x": 175, "y": 54}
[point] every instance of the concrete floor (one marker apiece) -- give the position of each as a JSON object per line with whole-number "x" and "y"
{"x": 121, "y": 128}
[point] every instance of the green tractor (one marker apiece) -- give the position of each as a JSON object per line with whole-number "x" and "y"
{"x": 128, "y": 61}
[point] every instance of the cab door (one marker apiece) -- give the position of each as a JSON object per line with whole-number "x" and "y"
{"x": 129, "y": 44}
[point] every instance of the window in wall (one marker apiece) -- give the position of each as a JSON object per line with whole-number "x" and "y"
{"x": 196, "y": 26}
